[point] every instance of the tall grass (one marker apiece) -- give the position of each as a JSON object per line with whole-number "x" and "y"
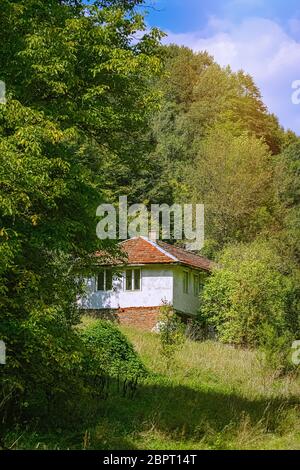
{"x": 212, "y": 397}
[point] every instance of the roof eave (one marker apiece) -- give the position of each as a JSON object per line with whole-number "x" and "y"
{"x": 155, "y": 263}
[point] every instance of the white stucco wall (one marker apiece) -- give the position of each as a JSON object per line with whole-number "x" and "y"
{"x": 186, "y": 303}
{"x": 156, "y": 286}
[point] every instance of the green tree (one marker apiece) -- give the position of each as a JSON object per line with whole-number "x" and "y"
{"x": 288, "y": 182}
{"x": 197, "y": 96}
{"x": 247, "y": 300}
{"x": 233, "y": 177}
{"x": 78, "y": 105}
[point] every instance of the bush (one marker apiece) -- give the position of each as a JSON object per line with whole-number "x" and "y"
{"x": 171, "y": 331}
{"x": 247, "y": 300}
{"x": 111, "y": 355}
{"x": 43, "y": 370}
{"x": 56, "y": 374}
{"x": 276, "y": 349}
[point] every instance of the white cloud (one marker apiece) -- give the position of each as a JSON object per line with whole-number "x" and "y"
{"x": 294, "y": 26}
{"x": 262, "y": 48}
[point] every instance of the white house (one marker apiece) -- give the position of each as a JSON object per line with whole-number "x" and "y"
{"x": 154, "y": 272}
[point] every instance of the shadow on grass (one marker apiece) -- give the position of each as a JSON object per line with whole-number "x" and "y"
{"x": 182, "y": 413}
{"x": 177, "y": 413}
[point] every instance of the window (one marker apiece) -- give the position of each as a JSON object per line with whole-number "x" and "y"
{"x": 105, "y": 280}
{"x": 128, "y": 275}
{"x": 186, "y": 282}
{"x": 101, "y": 280}
{"x": 108, "y": 279}
{"x": 196, "y": 285}
{"x": 133, "y": 279}
{"x": 137, "y": 279}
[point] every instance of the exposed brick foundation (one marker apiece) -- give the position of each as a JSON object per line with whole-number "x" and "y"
{"x": 140, "y": 317}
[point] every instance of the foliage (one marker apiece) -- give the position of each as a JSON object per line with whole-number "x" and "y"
{"x": 247, "y": 298}
{"x": 199, "y": 96}
{"x": 72, "y": 131}
{"x": 232, "y": 176}
{"x": 276, "y": 348}
{"x": 288, "y": 181}
{"x": 217, "y": 397}
{"x": 171, "y": 332}
{"x": 58, "y": 374}
{"x": 42, "y": 376}
{"x": 91, "y": 116}
{"x": 110, "y": 353}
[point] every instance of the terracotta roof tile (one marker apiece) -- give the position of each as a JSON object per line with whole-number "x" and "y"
{"x": 143, "y": 251}
{"x": 187, "y": 257}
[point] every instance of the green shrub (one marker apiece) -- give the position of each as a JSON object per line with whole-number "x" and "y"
{"x": 171, "y": 331}
{"x": 56, "y": 374}
{"x": 247, "y": 300}
{"x": 43, "y": 370}
{"x": 111, "y": 355}
{"x": 277, "y": 348}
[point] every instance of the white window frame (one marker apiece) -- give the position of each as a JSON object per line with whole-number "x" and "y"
{"x": 132, "y": 280}
{"x": 105, "y": 270}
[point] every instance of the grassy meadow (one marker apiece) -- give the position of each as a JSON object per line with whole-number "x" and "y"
{"x": 212, "y": 397}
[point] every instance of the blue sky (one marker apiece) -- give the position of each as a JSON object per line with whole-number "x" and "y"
{"x": 260, "y": 36}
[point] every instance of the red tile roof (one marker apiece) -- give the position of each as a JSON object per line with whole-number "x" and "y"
{"x": 187, "y": 257}
{"x": 143, "y": 251}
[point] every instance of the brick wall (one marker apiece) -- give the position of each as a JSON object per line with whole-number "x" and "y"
{"x": 140, "y": 317}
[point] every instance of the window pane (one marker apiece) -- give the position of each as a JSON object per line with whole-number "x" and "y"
{"x": 186, "y": 282}
{"x": 137, "y": 279}
{"x": 128, "y": 274}
{"x": 109, "y": 278}
{"x": 100, "y": 281}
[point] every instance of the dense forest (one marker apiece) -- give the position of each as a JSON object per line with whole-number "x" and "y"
{"x": 97, "y": 108}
